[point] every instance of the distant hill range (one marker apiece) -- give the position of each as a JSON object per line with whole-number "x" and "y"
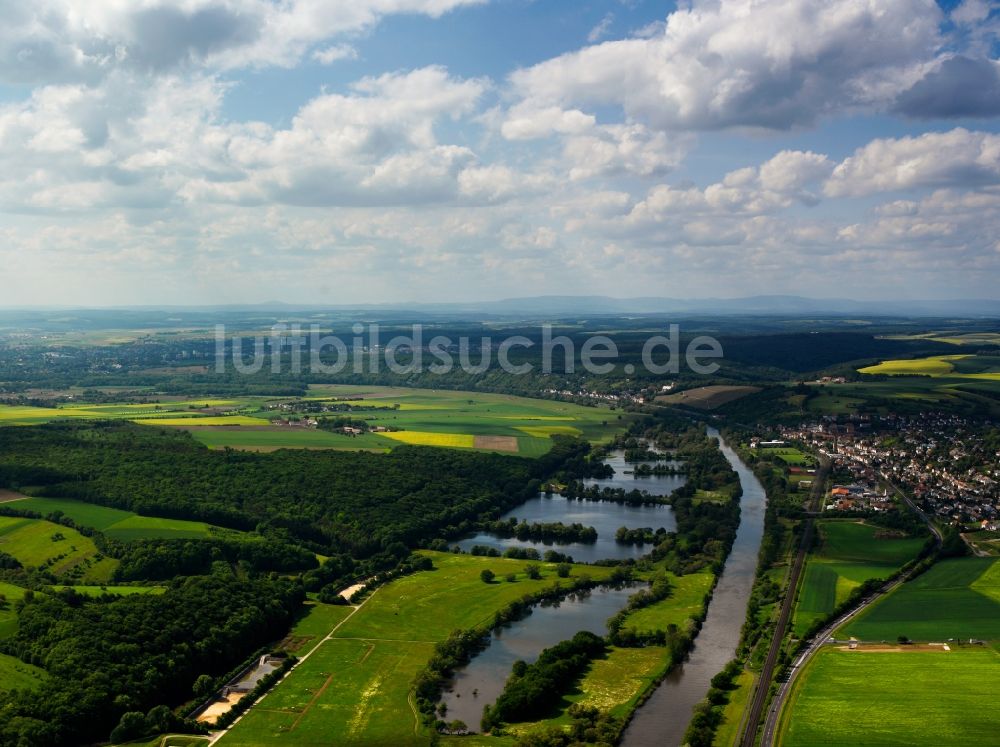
{"x": 582, "y": 306}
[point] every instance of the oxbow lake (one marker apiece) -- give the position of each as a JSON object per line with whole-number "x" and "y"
{"x": 549, "y": 624}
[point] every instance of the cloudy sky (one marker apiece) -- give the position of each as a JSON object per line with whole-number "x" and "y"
{"x": 231, "y": 151}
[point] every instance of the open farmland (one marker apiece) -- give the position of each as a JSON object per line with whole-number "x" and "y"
{"x": 119, "y": 524}
{"x": 956, "y": 598}
{"x": 355, "y": 687}
{"x": 272, "y": 438}
{"x": 973, "y": 367}
{"x": 60, "y": 549}
{"x": 466, "y": 420}
{"x": 849, "y": 554}
{"x": 708, "y": 397}
{"x": 491, "y": 422}
{"x": 893, "y": 696}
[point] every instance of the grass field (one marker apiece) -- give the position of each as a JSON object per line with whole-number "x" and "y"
{"x": 355, "y": 688}
{"x": 728, "y": 731}
{"x": 957, "y": 598}
{"x": 118, "y": 524}
{"x": 219, "y": 420}
{"x": 16, "y": 675}
{"x": 8, "y": 618}
{"x": 922, "y": 697}
{"x": 687, "y": 598}
{"x": 847, "y": 556}
{"x": 277, "y": 437}
{"x": 63, "y": 550}
{"x": 318, "y": 620}
{"x": 791, "y": 456}
{"x": 708, "y": 397}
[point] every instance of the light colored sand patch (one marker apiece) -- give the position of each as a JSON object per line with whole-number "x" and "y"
{"x": 219, "y": 707}
{"x": 349, "y": 591}
{"x": 496, "y": 443}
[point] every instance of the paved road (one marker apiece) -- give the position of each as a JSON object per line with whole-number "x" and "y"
{"x": 825, "y": 636}
{"x": 753, "y": 716}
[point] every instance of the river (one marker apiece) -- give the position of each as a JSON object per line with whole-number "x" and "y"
{"x": 662, "y": 720}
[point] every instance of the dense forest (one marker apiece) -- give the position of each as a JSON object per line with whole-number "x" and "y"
{"x": 109, "y": 656}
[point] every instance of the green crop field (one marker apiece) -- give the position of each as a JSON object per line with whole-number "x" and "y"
{"x": 118, "y": 524}
{"x": 318, "y": 620}
{"x": 432, "y": 416}
{"x": 16, "y": 675}
{"x": 920, "y": 697}
{"x": 957, "y": 598}
{"x": 951, "y": 366}
{"x": 355, "y": 688}
{"x": 848, "y": 555}
{"x": 789, "y": 455}
{"x": 63, "y": 550}
{"x": 278, "y": 437}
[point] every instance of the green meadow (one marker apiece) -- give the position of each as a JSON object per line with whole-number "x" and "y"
{"x": 848, "y": 554}
{"x": 355, "y": 688}
{"x": 919, "y": 697}
{"x": 686, "y": 599}
{"x": 790, "y": 456}
{"x": 16, "y": 675}
{"x": 62, "y": 550}
{"x": 957, "y": 598}
{"x": 116, "y": 523}
{"x": 8, "y": 617}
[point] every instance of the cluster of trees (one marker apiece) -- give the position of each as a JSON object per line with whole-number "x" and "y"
{"x": 659, "y": 589}
{"x": 639, "y": 536}
{"x": 580, "y": 492}
{"x": 708, "y": 713}
{"x": 113, "y": 655}
{"x": 587, "y": 726}
{"x": 534, "y": 689}
{"x": 554, "y": 531}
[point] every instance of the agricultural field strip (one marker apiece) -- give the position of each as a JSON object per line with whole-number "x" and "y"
{"x": 329, "y": 636}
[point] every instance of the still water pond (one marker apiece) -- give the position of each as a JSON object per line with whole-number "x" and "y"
{"x": 544, "y": 627}
{"x": 604, "y": 516}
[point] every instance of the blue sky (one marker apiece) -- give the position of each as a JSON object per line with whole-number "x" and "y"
{"x": 216, "y": 151}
